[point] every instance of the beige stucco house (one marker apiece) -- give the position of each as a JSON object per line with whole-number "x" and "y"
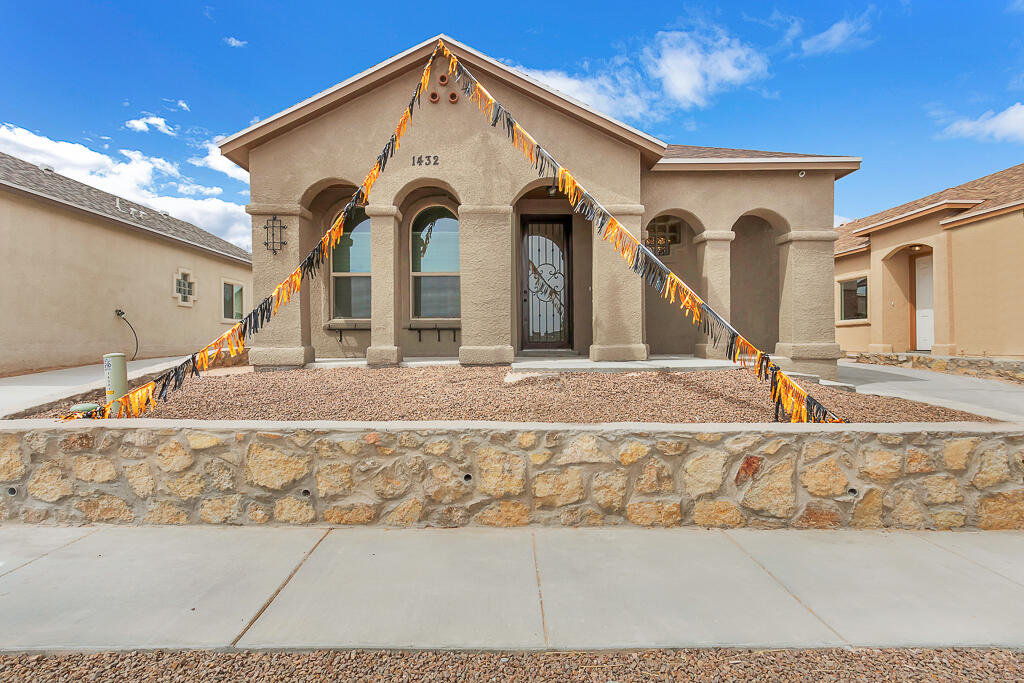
{"x": 73, "y": 254}
{"x": 463, "y": 252}
{"x": 940, "y": 274}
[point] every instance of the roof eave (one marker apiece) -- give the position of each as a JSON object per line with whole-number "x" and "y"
{"x": 20, "y": 189}
{"x": 236, "y": 147}
{"x": 971, "y": 217}
{"x": 944, "y": 205}
{"x": 842, "y": 166}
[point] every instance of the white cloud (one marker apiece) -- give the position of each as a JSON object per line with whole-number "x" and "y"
{"x": 195, "y": 188}
{"x": 134, "y": 177}
{"x": 218, "y": 162}
{"x": 1015, "y": 6}
{"x": 142, "y": 124}
{"x": 838, "y": 220}
{"x": 235, "y": 42}
{"x": 793, "y": 26}
{"x": 842, "y": 36}
{"x": 681, "y": 69}
{"x": 1007, "y": 125}
{"x": 694, "y": 66}
{"x": 183, "y": 105}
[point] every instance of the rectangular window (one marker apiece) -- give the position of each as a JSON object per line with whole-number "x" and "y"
{"x": 435, "y": 296}
{"x": 350, "y": 269}
{"x": 853, "y": 302}
{"x": 232, "y": 301}
{"x": 183, "y": 287}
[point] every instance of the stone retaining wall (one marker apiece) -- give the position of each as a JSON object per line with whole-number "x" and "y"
{"x": 990, "y": 368}
{"x": 504, "y": 474}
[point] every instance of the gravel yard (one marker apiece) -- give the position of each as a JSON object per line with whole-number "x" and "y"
{"x": 602, "y": 667}
{"x": 478, "y": 393}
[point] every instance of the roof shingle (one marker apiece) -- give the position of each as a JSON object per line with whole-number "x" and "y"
{"x": 995, "y": 189}
{"x": 695, "y": 152}
{"x": 22, "y": 174}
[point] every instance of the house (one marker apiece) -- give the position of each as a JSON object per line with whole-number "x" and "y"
{"x": 940, "y": 274}
{"x": 463, "y": 252}
{"x": 72, "y": 255}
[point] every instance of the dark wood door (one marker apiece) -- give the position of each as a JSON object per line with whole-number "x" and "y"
{"x": 546, "y": 282}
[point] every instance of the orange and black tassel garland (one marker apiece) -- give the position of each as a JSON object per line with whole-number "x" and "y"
{"x": 789, "y": 399}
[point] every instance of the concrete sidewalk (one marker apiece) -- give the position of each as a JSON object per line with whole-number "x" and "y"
{"x": 134, "y": 588}
{"x": 989, "y": 397}
{"x": 22, "y": 392}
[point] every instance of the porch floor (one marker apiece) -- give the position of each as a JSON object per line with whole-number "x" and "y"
{"x": 556, "y": 363}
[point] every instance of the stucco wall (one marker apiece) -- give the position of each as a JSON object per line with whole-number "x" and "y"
{"x": 988, "y": 286}
{"x": 504, "y": 474}
{"x": 65, "y": 272}
{"x": 853, "y": 335}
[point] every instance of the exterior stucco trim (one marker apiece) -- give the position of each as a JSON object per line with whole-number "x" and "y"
{"x": 278, "y": 210}
{"x": 714, "y": 236}
{"x": 18, "y": 189}
{"x": 807, "y": 236}
{"x": 964, "y": 219}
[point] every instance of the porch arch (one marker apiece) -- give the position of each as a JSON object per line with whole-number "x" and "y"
{"x": 755, "y": 277}
{"x": 670, "y": 235}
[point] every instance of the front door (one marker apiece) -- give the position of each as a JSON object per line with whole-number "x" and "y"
{"x": 546, "y": 282}
{"x": 924, "y": 322}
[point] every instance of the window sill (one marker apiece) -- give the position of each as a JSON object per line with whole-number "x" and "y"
{"x": 348, "y": 324}
{"x": 435, "y": 324}
{"x": 230, "y": 321}
{"x": 853, "y": 323}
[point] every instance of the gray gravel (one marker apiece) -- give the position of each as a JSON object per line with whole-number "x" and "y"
{"x": 599, "y": 667}
{"x": 481, "y": 393}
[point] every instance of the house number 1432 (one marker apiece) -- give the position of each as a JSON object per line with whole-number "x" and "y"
{"x": 425, "y": 160}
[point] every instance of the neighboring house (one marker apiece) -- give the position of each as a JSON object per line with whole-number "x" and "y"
{"x": 464, "y": 252}
{"x": 941, "y": 274}
{"x": 71, "y": 255}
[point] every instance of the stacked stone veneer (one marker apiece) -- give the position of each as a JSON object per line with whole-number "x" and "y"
{"x": 989, "y": 368}
{"x": 496, "y": 474}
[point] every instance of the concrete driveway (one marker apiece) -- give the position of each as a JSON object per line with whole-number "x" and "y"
{"x": 203, "y": 587}
{"x": 989, "y": 397}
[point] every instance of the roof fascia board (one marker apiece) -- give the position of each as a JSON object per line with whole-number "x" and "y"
{"x": 970, "y": 217}
{"x": 235, "y": 147}
{"x": 855, "y": 250}
{"x": 20, "y": 189}
{"x": 841, "y": 165}
{"x": 943, "y": 205}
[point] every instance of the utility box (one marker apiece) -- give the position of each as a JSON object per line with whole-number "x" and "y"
{"x": 115, "y": 370}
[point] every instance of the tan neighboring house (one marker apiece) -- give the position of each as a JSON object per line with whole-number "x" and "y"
{"x": 941, "y": 274}
{"x": 71, "y": 255}
{"x": 463, "y": 252}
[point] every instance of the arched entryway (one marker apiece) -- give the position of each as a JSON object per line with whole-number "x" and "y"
{"x": 670, "y": 237}
{"x": 754, "y": 280}
{"x": 908, "y": 288}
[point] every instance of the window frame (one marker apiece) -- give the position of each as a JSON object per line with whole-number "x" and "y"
{"x": 331, "y": 275}
{"x": 667, "y": 226}
{"x": 233, "y": 283}
{"x": 413, "y": 318}
{"x": 841, "y": 318}
{"x": 187, "y": 272}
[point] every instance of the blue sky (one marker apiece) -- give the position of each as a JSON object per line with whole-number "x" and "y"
{"x": 132, "y": 96}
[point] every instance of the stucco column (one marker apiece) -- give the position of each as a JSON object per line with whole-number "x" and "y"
{"x": 942, "y": 296}
{"x": 807, "y": 333}
{"x": 714, "y": 261}
{"x": 385, "y": 345}
{"x": 285, "y": 341}
{"x": 618, "y": 296}
{"x": 486, "y": 288}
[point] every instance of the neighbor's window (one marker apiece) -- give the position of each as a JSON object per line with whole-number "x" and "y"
{"x": 662, "y": 233}
{"x": 853, "y": 299}
{"x": 184, "y": 287}
{"x": 350, "y": 268}
{"x": 232, "y": 301}
{"x": 435, "y": 264}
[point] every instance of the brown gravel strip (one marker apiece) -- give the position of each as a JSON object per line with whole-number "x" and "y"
{"x": 599, "y": 667}
{"x": 478, "y": 393}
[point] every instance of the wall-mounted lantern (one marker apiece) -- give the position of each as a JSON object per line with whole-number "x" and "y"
{"x": 275, "y": 235}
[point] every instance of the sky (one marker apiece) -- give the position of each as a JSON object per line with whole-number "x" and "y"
{"x": 132, "y": 97}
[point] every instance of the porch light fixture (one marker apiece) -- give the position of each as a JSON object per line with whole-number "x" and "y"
{"x": 275, "y": 235}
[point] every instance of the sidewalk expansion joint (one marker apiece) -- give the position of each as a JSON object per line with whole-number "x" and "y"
{"x": 25, "y": 564}
{"x": 793, "y": 595}
{"x": 273, "y": 596}
{"x": 540, "y": 592}
{"x": 923, "y": 537}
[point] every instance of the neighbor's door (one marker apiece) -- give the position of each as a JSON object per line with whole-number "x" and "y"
{"x": 546, "y": 282}
{"x": 924, "y": 319}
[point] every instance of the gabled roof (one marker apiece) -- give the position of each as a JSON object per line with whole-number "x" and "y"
{"x": 693, "y": 152}
{"x": 237, "y": 146}
{"x": 28, "y": 179}
{"x": 976, "y": 199}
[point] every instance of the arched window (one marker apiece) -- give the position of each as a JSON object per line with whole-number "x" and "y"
{"x": 662, "y": 233}
{"x": 435, "y": 264}
{"x": 350, "y": 269}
